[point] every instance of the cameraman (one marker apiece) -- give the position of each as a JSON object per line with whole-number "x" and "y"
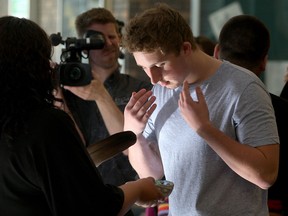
{"x": 98, "y": 107}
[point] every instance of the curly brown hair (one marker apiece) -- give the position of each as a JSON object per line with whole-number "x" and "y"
{"x": 158, "y": 28}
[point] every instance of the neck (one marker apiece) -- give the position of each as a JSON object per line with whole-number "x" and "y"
{"x": 103, "y": 73}
{"x": 202, "y": 67}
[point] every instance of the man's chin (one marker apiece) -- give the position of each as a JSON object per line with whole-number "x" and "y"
{"x": 170, "y": 85}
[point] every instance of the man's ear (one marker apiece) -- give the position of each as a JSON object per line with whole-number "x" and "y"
{"x": 216, "y": 51}
{"x": 187, "y": 47}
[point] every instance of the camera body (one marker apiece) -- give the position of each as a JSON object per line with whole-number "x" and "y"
{"x": 74, "y": 74}
{"x": 71, "y": 71}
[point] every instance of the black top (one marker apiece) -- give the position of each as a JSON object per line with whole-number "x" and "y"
{"x": 284, "y": 92}
{"x": 116, "y": 170}
{"x": 47, "y": 171}
{"x": 279, "y": 191}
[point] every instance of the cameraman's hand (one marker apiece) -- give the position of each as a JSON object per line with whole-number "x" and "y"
{"x": 93, "y": 92}
{"x": 96, "y": 91}
{"x": 59, "y": 102}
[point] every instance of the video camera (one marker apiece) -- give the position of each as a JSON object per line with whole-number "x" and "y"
{"x": 71, "y": 71}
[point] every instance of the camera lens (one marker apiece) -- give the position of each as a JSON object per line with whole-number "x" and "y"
{"x": 75, "y": 73}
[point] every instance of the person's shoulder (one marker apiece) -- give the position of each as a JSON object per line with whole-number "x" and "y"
{"x": 137, "y": 82}
{"x": 132, "y": 78}
{"x": 284, "y": 92}
{"x": 50, "y": 117}
{"x": 240, "y": 75}
{"x": 50, "y": 113}
{"x": 279, "y": 103}
{"x": 280, "y": 106}
{"x": 53, "y": 126}
{"x": 238, "y": 69}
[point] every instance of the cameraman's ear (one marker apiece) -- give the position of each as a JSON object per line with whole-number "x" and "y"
{"x": 216, "y": 51}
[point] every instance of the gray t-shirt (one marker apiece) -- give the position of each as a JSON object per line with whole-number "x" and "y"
{"x": 240, "y": 106}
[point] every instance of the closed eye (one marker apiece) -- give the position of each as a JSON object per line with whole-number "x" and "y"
{"x": 159, "y": 65}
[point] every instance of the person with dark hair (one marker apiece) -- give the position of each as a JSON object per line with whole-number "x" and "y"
{"x": 241, "y": 44}
{"x": 205, "y": 44}
{"x": 207, "y": 125}
{"x": 245, "y": 40}
{"x": 44, "y": 166}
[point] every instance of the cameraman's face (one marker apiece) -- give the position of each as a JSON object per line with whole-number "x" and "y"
{"x": 108, "y": 56}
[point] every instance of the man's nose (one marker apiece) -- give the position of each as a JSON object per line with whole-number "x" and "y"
{"x": 108, "y": 41}
{"x": 155, "y": 74}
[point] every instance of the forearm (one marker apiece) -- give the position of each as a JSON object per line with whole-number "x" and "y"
{"x": 111, "y": 114}
{"x": 131, "y": 191}
{"x": 257, "y": 165}
{"x": 145, "y": 158}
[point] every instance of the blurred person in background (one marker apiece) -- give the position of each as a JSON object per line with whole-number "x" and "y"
{"x": 205, "y": 44}
{"x": 245, "y": 41}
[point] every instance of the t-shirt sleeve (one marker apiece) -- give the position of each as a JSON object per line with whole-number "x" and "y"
{"x": 254, "y": 117}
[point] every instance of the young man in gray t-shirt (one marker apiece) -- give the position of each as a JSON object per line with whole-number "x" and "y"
{"x": 207, "y": 125}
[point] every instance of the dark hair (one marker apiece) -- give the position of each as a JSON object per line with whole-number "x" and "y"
{"x": 158, "y": 28}
{"x": 244, "y": 40}
{"x": 205, "y": 44}
{"x": 25, "y": 72}
{"x": 95, "y": 15}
